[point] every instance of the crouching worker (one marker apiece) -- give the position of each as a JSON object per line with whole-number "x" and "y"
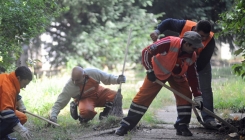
{"x": 10, "y": 118}
{"x": 168, "y": 60}
{"x": 84, "y": 87}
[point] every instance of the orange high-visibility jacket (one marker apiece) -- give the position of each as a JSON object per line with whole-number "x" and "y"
{"x": 188, "y": 27}
{"x": 163, "y": 64}
{"x": 9, "y": 89}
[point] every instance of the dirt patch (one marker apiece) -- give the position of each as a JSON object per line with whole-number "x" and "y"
{"x": 163, "y": 132}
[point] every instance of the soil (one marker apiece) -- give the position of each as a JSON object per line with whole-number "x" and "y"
{"x": 162, "y": 131}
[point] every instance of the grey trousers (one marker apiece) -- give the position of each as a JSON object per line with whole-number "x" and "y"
{"x": 205, "y": 79}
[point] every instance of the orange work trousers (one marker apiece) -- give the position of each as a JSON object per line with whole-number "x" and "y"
{"x": 149, "y": 90}
{"x": 98, "y": 99}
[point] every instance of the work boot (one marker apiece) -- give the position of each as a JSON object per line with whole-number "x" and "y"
{"x": 182, "y": 130}
{"x": 8, "y": 138}
{"x": 104, "y": 114}
{"x": 83, "y": 120}
{"x": 213, "y": 125}
{"x": 121, "y": 131}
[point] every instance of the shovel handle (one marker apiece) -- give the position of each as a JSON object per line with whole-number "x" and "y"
{"x": 41, "y": 118}
{"x": 126, "y": 53}
{"x": 193, "y": 103}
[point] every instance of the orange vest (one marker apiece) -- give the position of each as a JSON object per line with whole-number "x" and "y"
{"x": 91, "y": 89}
{"x": 188, "y": 27}
{"x": 164, "y": 63}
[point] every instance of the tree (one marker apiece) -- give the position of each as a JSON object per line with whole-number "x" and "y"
{"x": 96, "y": 31}
{"x": 232, "y": 23}
{"x": 193, "y": 10}
{"x": 21, "y": 20}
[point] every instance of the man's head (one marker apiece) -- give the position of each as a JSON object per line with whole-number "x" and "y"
{"x": 203, "y": 27}
{"x": 77, "y": 75}
{"x": 191, "y": 42}
{"x": 23, "y": 75}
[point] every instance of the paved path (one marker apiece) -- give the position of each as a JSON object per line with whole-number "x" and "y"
{"x": 161, "y": 131}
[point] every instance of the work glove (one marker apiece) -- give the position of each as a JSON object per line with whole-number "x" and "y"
{"x": 151, "y": 76}
{"x": 53, "y": 119}
{"x": 154, "y": 35}
{"x": 20, "y": 106}
{"x": 198, "y": 102}
{"x": 22, "y": 131}
{"x": 121, "y": 79}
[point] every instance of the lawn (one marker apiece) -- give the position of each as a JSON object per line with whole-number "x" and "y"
{"x": 41, "y": 93}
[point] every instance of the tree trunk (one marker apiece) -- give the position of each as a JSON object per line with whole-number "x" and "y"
{"x": 22, "y": 61}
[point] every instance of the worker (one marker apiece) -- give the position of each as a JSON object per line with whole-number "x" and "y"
{"x": 84, "y": 87}
{"x": 10, "y": 118}
{"x": 170, "y": 60}
{"x": 203, "y": 27}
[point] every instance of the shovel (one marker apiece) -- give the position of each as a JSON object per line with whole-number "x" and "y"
{"x": 231, "y": 127}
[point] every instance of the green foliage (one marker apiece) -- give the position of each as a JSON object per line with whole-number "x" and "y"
{"x": 191, "y": 9}
{"x": 232, "y": 23}
{"x": 96, "y": 31}
{"x": 21, "y": 20}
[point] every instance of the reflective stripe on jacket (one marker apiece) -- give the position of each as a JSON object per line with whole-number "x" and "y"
{"x": 164, "y": 63}
{"x": 188, "y": 27}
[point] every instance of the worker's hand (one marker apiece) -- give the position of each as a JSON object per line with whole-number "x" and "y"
{"x": 121, "y": 79}
{"x": 22, "y": 130}
{"x": 53, "y": 119}
{"x": 20, "y": 106}
{"x": 154, "y": 35}
{"x": 199, "y": 102}
{"x": 151, "y": 76}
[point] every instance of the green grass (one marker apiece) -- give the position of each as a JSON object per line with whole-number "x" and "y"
{"x": 40, "y": 95}
{"x": 228, "y": 90}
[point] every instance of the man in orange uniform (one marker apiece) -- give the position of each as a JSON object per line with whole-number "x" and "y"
{"x": 10, "y": 118}
{"x": 168, "y": 60}
{"x": 84, "y": 86}
{"x": 203, "y": 27}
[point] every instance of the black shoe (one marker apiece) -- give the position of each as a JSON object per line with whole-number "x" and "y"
{"x": 182, "y": 130}
{"x": 102, "y": 116}
{"x": 83, "y": 120}
{"x": 8, "y": 138}
{"x": 121, "y": 131}
{"x": 212, "y": 125}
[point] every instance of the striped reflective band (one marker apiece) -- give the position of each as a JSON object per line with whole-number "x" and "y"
{"x": 184, "y": 113}
{"x": 136, "y": 111}
{"x": 174, "y": 49}
{"x": 7, "y": 114}
{"x": 139, "y": 106}
{"x": 126, "y": 122}
{"x": 160, "y": 66}
{"x": 184, "y": 107}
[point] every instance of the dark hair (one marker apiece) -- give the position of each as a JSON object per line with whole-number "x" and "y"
{"x": 23, "y": 72}
{"x": 204, "y": 25}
